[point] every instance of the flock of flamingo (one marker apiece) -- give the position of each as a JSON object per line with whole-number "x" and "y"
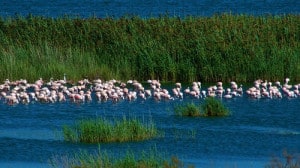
{"x": 20, "y": 91}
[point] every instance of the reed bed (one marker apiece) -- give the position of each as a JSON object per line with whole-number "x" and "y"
{"x": 211, "y": 107}
{"x": 101, "y": 130}
{"x": 222, "y": 47}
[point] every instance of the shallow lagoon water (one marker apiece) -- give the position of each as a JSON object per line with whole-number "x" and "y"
{"x": 146, "y": 8}
{"x": 257, "y": 130}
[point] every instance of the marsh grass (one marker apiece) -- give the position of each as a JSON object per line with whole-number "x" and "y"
{"x": 222, "y": 47}
{"x": 188, "y": 109}
{"x": 211, "y": 107}
{"x": 102, "y": 159}
{"x": 101, "y": 130}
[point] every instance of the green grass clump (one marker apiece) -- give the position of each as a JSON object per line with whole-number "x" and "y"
{"x": 101, "y": 130}
{"x": 214, "y": 107}
{"x": 188, "y": 109}
{"x": 101, "y": 159}
{"x": 211, "y": 107}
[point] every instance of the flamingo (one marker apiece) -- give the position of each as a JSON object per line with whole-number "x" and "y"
{"x": 240, "y": 90}
{"x": 88, "y": 95}
{"x": 157, "y": 95}
{"x": 11, "y": 99}
{"x": 203, "y": 93}
{"x": 211, "y": 91}
{"x": 219, "y": 89}
{"x": 20, "y": 91}
{"x": 178, "y": 85}
{"x": 98, "y": 95}
{"x": 228, "y": 94}
{"x": 286, "y": 85}
{"x": 142, "y": 95}
{"x": 7, "y": 82}
{"x": 114, "y": 96}
{"x": 148, "y": 93}
{"x": 39, "y": 82}
{"x": 42, "y": 97}
{"x": 265, "y": 93}
{"x": 61, "y": 97}
{"x": 234, "y": 86}
{"x": 187, "y": 90}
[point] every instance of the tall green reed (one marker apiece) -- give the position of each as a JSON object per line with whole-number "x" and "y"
{"x": 221, "y": 47}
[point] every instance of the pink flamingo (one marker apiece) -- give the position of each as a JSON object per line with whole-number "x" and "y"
{"x": 228, "y": 94}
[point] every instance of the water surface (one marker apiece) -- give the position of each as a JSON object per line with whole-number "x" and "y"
{"x": 146, "y": 8}
{"x": 256, "y": 131}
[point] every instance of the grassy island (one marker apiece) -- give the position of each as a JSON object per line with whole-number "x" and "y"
{"x": 222, "y": 47}
{"x": 188, "y": 109}
{"x": 211, "y": 107}
{"x": 101, "y": 130}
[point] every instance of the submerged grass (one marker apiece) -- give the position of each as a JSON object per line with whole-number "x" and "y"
{"x": 102, "y": 159}
{"x": 101, "y": 130}
{"x": 222, "y": 47}
{"x": 287, "y": 160}
{"x": 146, "y": 159}
{"x": 211, "y": 107}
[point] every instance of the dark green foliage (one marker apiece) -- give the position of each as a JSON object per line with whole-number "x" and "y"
{"x": 213, "y": 107}
{"x": 219, "y": 48}
{"x": 188, "y": 109}
{"x": 100, "y": 130}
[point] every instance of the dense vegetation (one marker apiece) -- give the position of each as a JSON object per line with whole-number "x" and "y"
{"x": 211, "y": 107}
{"x": 188, "y": 109}
{"x": 222, "y": 47}
{"x": 101, "y": 130}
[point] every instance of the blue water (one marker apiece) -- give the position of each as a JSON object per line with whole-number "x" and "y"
{"x": 146, "y": 8}
{"x": 257, "y": 130}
